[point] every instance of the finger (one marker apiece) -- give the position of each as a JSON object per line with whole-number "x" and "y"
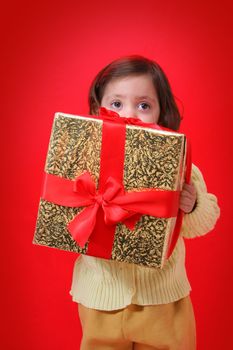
{"x": 186, "y": 209}
{"x": 189, "y": 187}
{"x": 187, "y": 198}
{"x": 186, "y": 203}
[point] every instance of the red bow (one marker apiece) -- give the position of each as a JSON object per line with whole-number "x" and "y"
{"x": 83, "y": 224}
{"x": 117, "y": 205}
{"x": 113, "y": 116}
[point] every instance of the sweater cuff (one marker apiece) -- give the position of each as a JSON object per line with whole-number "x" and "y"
{"x": 205, "y": 213}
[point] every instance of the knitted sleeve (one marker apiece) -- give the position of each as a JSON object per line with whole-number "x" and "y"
{"x": 203, "y": 218}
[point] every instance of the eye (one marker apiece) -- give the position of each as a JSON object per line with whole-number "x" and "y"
{"x": 116, "y": 104}
{"x": 144, "y": 106}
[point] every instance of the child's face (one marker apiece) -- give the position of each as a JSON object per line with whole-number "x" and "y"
{"x": 133, "y": 97}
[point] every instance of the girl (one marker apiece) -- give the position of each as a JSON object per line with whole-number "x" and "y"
{"x": 126, "y": 306}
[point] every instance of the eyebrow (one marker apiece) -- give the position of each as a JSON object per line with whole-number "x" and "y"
{"x": 144, "y": 97}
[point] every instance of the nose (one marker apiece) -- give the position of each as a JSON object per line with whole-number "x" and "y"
{"x": 129, "y": 112}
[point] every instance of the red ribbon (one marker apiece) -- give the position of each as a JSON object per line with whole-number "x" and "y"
{"x": 107, "y": 114}
{"x": 116, "y": 204}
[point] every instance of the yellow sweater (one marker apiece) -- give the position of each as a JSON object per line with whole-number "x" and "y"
{"x": 109, "y": 285}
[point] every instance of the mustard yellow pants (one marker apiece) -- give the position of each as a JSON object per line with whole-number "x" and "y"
{"x": 153, "y": 327}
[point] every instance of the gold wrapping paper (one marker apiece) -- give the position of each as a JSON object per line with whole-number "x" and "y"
{"x": 153, "y": 159}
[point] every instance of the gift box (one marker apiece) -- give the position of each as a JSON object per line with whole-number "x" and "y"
{"x": 111, "y": 188}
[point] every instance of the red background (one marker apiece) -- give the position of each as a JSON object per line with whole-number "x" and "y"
{"x": 50, "y": 53}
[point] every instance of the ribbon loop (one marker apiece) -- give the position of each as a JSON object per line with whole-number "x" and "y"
{"x": 107, "y": 114}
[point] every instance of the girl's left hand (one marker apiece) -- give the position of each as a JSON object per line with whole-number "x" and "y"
{"x": 188, "y": 197}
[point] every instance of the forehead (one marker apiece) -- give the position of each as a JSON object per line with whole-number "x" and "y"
{"x": 131, "y": 85}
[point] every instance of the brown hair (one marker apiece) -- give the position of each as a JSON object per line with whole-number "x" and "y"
{"x": 137, "y": 65}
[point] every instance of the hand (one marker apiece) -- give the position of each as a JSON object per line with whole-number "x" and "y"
{"x": 188, "y": 197}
